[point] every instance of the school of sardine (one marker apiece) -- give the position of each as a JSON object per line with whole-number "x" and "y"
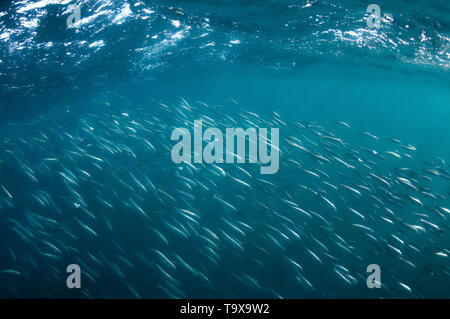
{"x": 100, "y": 190}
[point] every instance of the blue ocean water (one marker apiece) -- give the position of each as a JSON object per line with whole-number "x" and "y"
{"x": 308, "y": 61}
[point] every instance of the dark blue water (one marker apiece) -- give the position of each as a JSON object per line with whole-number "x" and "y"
{"x": 309, "y": 61}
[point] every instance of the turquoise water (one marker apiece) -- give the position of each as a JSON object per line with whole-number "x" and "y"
{"x": 308, "y": 61}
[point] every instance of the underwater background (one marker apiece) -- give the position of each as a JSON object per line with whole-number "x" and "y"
{"x": 86, "y": 174}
